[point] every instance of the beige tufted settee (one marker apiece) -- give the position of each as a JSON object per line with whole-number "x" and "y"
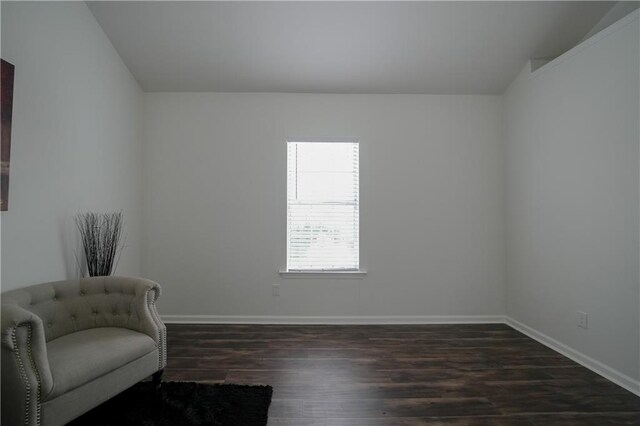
{"x": 68, "y": 346}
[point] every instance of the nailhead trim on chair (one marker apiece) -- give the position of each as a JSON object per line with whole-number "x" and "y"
{"x": 37, "y": 373}
{"x": 23, "y": 373}
{"x": 153, "y": 295}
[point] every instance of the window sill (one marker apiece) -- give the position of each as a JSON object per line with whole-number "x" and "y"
{"x": 358, "y": 275}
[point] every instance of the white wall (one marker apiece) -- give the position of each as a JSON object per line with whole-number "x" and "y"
{"x": 572, "y": 136}
{"x": 431, "y": 203}
{"x": 76, "y": 139}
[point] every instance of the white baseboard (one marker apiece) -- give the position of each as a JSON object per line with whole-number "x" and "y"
{"x": 629, "y": 383}
{"x": 355, "y": 320}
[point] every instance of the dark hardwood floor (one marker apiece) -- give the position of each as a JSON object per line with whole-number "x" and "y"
{"x": 400, "y": 375}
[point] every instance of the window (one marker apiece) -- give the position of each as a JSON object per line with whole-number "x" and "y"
{"x": 323, "y": 206}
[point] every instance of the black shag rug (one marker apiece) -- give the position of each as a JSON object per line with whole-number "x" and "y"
{"x": 183, "y": 404}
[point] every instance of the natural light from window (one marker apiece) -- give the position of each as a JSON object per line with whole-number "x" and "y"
{"x": 323, "y": 206}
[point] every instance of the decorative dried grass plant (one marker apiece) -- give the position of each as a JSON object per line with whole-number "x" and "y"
{"x": 101, "y": 235}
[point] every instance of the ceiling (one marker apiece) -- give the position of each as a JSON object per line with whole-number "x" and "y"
{"x": 340, "y": 47}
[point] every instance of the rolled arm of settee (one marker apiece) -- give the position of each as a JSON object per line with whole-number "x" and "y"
{"x": 147, "y": 293}
{"x": 25, "y": 365}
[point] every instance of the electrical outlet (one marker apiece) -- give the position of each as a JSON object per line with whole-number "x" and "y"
{"x": 275, "y": 289}
{"x": 583, "y": 319}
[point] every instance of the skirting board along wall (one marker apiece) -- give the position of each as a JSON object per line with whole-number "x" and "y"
{"x": 605, "y": 371}
{"x": 344, "y": 320}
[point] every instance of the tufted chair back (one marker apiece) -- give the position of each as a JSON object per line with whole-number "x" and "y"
{"x": 74, "y": 305}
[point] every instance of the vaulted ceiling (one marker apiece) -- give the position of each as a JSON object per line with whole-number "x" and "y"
{"x": 340, "y": 47}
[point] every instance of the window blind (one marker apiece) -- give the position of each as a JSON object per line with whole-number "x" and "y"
{"x": 323, "y": 206}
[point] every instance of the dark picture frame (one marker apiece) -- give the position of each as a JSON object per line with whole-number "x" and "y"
{"x": 6, "y": 109}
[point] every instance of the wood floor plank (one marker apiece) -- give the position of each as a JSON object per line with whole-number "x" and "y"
{"x": 398, "y": 407}
{"x": 433, "y": 421}
{"x": 375, "y": 375}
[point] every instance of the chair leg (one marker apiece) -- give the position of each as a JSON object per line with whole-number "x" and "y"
{"x": 156, "y": 378}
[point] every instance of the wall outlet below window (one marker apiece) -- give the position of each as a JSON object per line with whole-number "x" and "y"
{"x": 275, "y": 289}
{"x": 582, "y": 319}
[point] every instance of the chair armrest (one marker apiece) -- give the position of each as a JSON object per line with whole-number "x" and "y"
{"x": 26, "y": 376}
{"x": 147, "y": 293}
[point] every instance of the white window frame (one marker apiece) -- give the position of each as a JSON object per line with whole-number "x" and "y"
{"x": 346, "y": 274}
